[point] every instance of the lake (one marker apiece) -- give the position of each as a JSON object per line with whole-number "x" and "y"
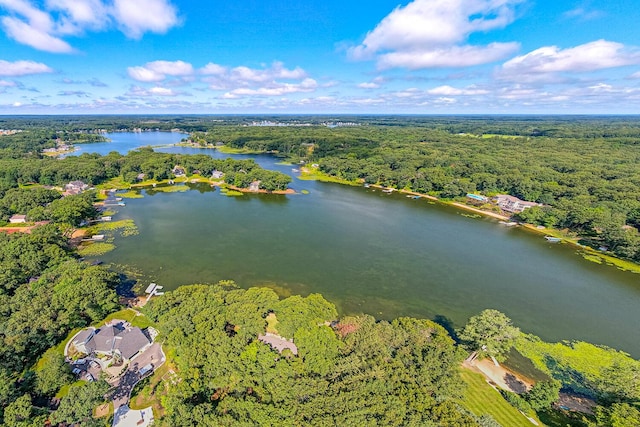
{"x": 369, "y": 252}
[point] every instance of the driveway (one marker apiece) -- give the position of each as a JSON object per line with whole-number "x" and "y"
{"x": 123, "y": 386}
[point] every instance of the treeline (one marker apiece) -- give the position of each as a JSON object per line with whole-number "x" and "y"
{"x": 586, "y": 175}
{"x": 144, "y": 164}
{"x": 355, "y": 371}
{"x": 44, "y": 294}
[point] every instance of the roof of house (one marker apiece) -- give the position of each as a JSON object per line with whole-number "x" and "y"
{"x": 132, "y": 342}
{"x": 83, "y": 336}
{"x": 16, "y": 216}
{"x": 278, "y": 343}
{"x": 116, "y": 335}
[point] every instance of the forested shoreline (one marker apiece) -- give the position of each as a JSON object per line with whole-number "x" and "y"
{"x": 348, "y": 370}
{"x": 583, "y": 171}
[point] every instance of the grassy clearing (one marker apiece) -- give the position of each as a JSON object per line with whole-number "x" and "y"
{"x": 573, "y": 363}
{"x": 495, "y": 135}
{"x": 129, "y": 315}
{"x": 95, "y": 249}
{"x": 272, "y": 321}
{"x": 230, "y": 150}
{"x": 480, "y": 398}
{"x": 316, "y": 175}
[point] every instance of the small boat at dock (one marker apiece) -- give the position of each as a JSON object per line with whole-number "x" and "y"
{"x": 552, "y": 239}
{"x": 388, "y": 190}
{"x": 508, "y": 224}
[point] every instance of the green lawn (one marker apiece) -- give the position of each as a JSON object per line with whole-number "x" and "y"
{"x": 480, "y": 398}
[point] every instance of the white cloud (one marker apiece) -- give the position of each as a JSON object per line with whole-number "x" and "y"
{"x": 213, "y": 69}
{"x": 78, "y": 15}
{"x": 143, "y": 74}
{"x": 276, "y": 71}
{"x": 583, "y": 13}
{"x": 545, "y": 62}
{"x": 447, "y": 90}
{"x": 6, "y": 83}
{"x": 137, "y": 17}
{"x": 159, "y": 70}
{"x": 453, "y": 56}
{"x": 30, "y": 35}
{"x": 373, "y": 84}
{"x": 42, "y": 25}
{"x": 274, "y": 89}
{"x": 22, "y": 68}
{"x": 137, "y": 91}
{"x": 432, "y": 33}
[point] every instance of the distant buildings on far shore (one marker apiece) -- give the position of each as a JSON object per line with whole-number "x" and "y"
{"x": 295, "y": 124}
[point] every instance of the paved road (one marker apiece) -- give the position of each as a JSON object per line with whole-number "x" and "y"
{"x": 152, "y": 355}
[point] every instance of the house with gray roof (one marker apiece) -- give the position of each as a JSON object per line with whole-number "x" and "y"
{"x": 115, "y": 338}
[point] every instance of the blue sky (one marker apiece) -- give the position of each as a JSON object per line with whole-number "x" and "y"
{"x": 285, "y": 56}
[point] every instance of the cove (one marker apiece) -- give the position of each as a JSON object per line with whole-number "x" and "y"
{"x": 369, "y": 252}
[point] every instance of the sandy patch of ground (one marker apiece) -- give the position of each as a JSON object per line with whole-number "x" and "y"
{"x": 500, "y": 376}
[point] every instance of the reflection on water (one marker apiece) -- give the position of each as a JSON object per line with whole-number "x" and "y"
{"x": 386, "y": 255}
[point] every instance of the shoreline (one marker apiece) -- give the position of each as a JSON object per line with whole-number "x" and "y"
{"x": 588, "y": 253}
{"x": 456, "y": 204}
{"x": 192, "y": 180}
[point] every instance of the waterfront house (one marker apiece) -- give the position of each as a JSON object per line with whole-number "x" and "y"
{"x": 513, "y": 204}
{"x": 217, "y": 175}
{"x": 18, "y": 219}
{"x": 75, "y": 187}
{"x": 254, "y": 186}
{"x": 115, "y": 338}
{"x": 178, "y": 171}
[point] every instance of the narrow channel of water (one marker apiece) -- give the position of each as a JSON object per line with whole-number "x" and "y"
{"x": 386, "y": 255}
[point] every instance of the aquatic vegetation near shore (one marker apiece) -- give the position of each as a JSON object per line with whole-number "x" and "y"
{"x": 127, "y": 227}
{"x": 132, "y": 194}
{"x": 95, "y": 249}
{"x": 169, "y": 189}
{"x": 600, "y": 258}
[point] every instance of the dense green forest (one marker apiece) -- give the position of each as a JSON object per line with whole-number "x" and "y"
{"x": 582, "y": 170}
{"x": 349, "y": 370}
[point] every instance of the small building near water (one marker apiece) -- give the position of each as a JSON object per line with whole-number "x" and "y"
{"x": 18, "y": 219}
{"x": 254, "y": 186}
{"x": 513, "y": 204}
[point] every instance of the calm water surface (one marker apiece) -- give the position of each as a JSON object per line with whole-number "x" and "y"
{"x": 369, "y": 252}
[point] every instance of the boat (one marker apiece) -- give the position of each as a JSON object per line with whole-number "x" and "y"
{"x": 508, "y": 224}
{"x": 416, "y": 197}
{"x": 552, "y": 239}
{"x": 295, "y": 170}
{"x": 366, "y": 185}
{"x": 388, "y": 190}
